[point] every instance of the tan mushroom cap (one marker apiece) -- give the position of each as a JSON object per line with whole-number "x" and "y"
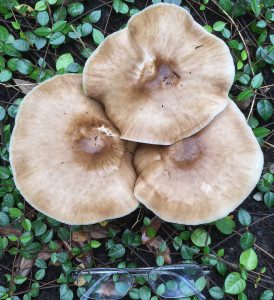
{"x": 202, "y": 178}
{"x": 162, "y": 78}
{"x": 67, "y": 158}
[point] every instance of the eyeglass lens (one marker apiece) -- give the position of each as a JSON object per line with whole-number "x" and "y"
{"x": 105, "y": 286}
{"x": 180, "y": 282}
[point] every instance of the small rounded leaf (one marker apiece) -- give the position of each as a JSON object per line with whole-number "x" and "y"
{"x": 249, "y": 259}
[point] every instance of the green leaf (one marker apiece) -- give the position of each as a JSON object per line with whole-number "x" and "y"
{"x": 219, "y": 26}
{"x": 64, "y": 61}
{"x": 2, "y": 292}
{"x": 245, "y": 95}
{"x": 86, "y": 29}
{"x": 247, "y": 240}
{"x": 4, "y": 219}
{"x": 121, "y": 287}
{"x": 236, "y": 45}
{"x": 225, "y": 225}
{"x": 261, "y": 24}
{"x": 21, "y": 45}
{"x": 24, "y": 66}
{"x": 15, "y": 212}
{"x": 95, "y": 244}
{"x": 265, "y": 109}
{"x": 150, "y": 232}
{"x": 253, "y": 122}
{"x": 120, "y": 7}
{"x": 40, "y": 274}
{"x": 244, "y": 217}
{"x": 59, "y": 26}
{"x": 57, "y": 38}
{"x": 234, "y": 283}
{"x": 244, "y": 55}
{"x": 2, "y": 63}
{"x": 42, "y": 31}
{"x": 5, "y": 75}
{"x": 269, "y": 199}
{"x": 255, "y": 5}
{"x": 216, "y": 293}
{"x": 98, "y": 36}
{"x": 208, "y": 28}
{"x": 39, "y": 228}
{"x": 40, "y": 42}
{"x": 267, "y": 295}
{"x": 26, "y": 224}
{"x": 200, "y": 237}
{"x": 19, "y": 279}
{"x": 146, "y": 221}
{"x": 65, "y": 293}
{"x": 42, "y": 18}
{"x": 249, "y": 259}
{"x": 26, "y": 237}
{"x": 257, "y": 81}
{"x": 226, "y": 33}
{"x": 188, "y": 252}
{"x": 94, "y": 16}
{"x": 134, "y": 294}
{"x": 261, "y": 132}
{"x": 144, "y": 293}
{"x": 75, "y": 9}
{"x": 226, "y": 5}
{"x": 40, "y": 263}
{"x": 116, "y": 251}
{"x": 40, "y": 6}
{"x": 160, "y": 260}
{"x": 47, "y": 236}
{"x": 4, "y": 34}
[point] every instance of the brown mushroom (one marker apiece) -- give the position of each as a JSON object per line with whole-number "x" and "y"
{"x": 201, "y": 178}
{"x": 162, "y": 78}
{"x": 67, "y": 158}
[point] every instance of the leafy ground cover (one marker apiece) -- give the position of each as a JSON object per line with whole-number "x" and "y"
{"x": 39, "y": 39}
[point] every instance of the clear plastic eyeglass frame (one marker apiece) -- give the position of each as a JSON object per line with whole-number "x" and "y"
{"x": 172, "y": 281}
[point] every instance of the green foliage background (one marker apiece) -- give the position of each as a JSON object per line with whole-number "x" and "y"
{"x": 39, "y": 39}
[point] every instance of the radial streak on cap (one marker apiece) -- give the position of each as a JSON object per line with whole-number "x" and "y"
{"x": 67, "y": 158}
{"x": 162, "y": 78}
{"x": 201, "y": 178}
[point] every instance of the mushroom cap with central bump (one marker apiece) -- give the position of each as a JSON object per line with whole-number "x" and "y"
{"x": 162, "y": 78}
{"x": 202, "y": 178}
{"x": 67, "y": 158}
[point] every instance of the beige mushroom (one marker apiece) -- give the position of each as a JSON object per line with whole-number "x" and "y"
{"x": 162, "y": 78}
{"x": 201, "y": 178}
{"x": 67, "y": 158}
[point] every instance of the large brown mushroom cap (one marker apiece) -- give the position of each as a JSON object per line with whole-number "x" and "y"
{"x": 67, "y": 158}
{"x": 162, "y": 78}
{"x": 204, "y": 177}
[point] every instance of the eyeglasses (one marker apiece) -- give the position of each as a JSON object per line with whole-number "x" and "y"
{"x": 173, "y": 281}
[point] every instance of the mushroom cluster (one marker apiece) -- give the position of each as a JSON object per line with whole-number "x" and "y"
{"x": 162, "y": 82}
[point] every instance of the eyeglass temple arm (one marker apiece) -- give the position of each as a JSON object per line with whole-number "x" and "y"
{"x": 140, "y": 271}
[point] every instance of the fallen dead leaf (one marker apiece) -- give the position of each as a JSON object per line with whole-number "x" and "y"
{"x": 24, "y": 86}
{"x": 80, "y": 281}
{"x": 23, "y": 265}
{"x": 5, "y": 231}
{"x": 155, "y": 224}
{"x": 97, "y": 232}
{"x": 154, "y": 246}
{"x": 80, "y": 236}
